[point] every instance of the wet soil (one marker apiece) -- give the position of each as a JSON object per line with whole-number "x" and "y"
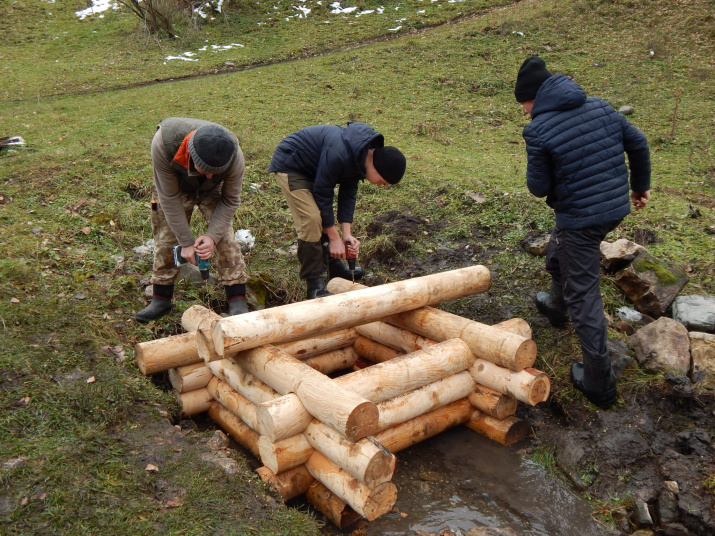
{"x": 646, "y": 464}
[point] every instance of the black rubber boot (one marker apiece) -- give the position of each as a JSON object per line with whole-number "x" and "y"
{"x": 237, "y": 306}
{"x": 605, "y": 398}
{"x": 552, "y": 306}
{"x": 159, "y": 306}
{"x": 336, "y": 268}
{"x": 316, "y": 288}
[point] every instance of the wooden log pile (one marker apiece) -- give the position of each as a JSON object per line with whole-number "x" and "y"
{"x": 407, "y": 371}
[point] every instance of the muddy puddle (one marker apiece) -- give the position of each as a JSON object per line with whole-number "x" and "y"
{"x": 460, "y": 480}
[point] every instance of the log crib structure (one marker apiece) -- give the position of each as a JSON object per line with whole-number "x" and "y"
{"x": 413, "y": 371}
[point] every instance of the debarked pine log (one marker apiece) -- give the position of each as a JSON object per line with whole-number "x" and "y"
{"x": 346, "y": 411}
{"x": 312, "y": 317}
{"x": 505, "y": 431}
{"x": 331, "y": 506}
{"x": 370, "y": 503}
{"x": 374, "y": 352}
{"x": 377, "y": 383}
{"x": 292, "y": 482}
{"x": 530, "y": 385}
{"x": 492, "y": 403}
{"x": 285, "y": 454}
{"x": 190, "y": 377}
{"x": 194, "y": 402}
{"x": 503, "y": 347}
{"x": 243, "y": 434}
{"x": 234, "y": 401}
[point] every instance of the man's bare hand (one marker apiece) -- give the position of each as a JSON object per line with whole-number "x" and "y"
{"x": 640, "y": 199}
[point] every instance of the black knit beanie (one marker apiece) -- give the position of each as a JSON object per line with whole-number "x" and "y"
{"x": 212, "y": 148}
{"x": 532, "y": 74}
{"x": 390, "y": 163}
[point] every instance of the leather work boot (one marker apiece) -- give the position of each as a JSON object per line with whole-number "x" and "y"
{"x": 336, "y": 268}
{"x": 237, "y": 306}
{"x": 316, "y": 288}
{"x": 604, "y": 399}
{"x": 157, "y": 308}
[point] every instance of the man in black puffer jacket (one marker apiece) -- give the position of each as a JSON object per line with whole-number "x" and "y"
{"x": 309, "y": 165}
{"x": 575, "y": 147}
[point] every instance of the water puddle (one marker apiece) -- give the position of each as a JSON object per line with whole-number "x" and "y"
{"x": 460, "y": 480}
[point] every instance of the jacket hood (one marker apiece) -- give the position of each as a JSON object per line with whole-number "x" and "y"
{"x": 558, "y": 93}
{"x": 358, "y": 138}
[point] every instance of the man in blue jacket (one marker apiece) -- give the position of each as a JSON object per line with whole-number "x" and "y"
{"x": 309, "y": 165}
{"x": 575, "y": 158}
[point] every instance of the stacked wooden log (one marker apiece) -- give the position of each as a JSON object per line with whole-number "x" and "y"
{"x": 413, "y": 371}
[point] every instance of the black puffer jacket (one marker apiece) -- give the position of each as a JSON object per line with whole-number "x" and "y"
{"x": 328, "y": 155}
{"x": 575, "y": 147}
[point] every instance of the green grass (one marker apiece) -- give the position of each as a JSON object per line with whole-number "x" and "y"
{"x": 74, "y": 206}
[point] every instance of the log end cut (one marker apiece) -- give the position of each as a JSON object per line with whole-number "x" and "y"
{"x": 363, "y": 421}
{"x": 381, "y": 501}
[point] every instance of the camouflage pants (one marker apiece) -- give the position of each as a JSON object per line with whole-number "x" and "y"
{"x": 228, "y": 256}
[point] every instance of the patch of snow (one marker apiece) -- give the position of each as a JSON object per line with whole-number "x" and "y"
{"x": 97, "y": 7}
{"x": 244, "y": 236}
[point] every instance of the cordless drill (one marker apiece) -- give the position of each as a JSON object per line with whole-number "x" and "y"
{"x": 351, "y": 260}
{"x": 202, "y": 264}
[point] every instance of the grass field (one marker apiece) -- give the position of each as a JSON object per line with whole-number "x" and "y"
{"x": 73, "y": 202}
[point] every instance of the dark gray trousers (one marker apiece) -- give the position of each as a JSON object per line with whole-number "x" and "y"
{"x": 573, "y": 261}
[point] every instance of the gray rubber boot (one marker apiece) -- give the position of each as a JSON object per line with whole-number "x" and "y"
{"x": 159, "y": 306}
{"x": 316, "y": 288}
{"x": 237, "y": 306}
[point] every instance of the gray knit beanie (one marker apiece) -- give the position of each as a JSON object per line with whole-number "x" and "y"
{"x": 212, "y": 148}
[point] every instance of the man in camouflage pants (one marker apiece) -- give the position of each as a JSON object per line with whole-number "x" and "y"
{"x": 196, "y": 164}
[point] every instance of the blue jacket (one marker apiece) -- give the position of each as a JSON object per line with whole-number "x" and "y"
{"x": 328, "y": 155}
{"x": 575, "y": 147}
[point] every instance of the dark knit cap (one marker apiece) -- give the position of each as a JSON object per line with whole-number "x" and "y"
{"x": 390, "y": 163}
{"x": 212, "y": 148}
{"x": 532, "y": 74}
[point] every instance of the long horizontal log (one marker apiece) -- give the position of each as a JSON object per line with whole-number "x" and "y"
{"x": 377, "y": 383}
{"x": 333, "y": 360}
{"x": 505, "y": 432}
{"x": 312, "y": 317}
{"x": 530, "y": 385}
{"x": 290, "y": 483}
{"x": 331, "y": 506}
{"x": 194, "y": 402}
{"x": 502, "y": 347}
{"x": 394, "y": 337}
{"x": 236, "y": 428}
{"x": 313, "y": 346}
{"x": 493, "y": 403}
{"x": 346, "y": 411}
{"x": 410, "y": 405}
{"x": 370, "y": 503}
{"x": 234, "y": 401}
{"x": 425, "y": 426}
{"x": 372, "y": 351}
{"x": 242, "y": 381}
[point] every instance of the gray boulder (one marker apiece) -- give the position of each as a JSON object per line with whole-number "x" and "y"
{"x": 662, "y": 345}
{"x": 697, "y": 313}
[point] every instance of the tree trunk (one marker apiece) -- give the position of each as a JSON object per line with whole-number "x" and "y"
{"x": 333, "y": 360}
{"x": 503, "y": 347}
{"x": 194, "y": 402}
{"x": 376, "y": 384}
{"x": 425, "y": 426}
{"x": 372, "y": 351}
{"x": 369, "y": 503}
{"x": 234, "y": 401}
{"x": 530, "y": 386}
{"x": 410, "y": 405}
{"x": 167, "y": 353}
{"x": 349, "y": 413}
{"x": 303, "y": 319}
{"x": 505, "y": 432}
{"x": 368, "y": 461}
{"x": 492, "y": 403}
{"x": 190, "y": 377}
{"x": 280, "y": 456}
{"x": 290, "y": 483}
{"x": 331, "y": 506}
{"x": 236, "y": 428}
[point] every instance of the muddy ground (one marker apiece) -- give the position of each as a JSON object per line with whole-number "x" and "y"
{"x": 660, "y": 432}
